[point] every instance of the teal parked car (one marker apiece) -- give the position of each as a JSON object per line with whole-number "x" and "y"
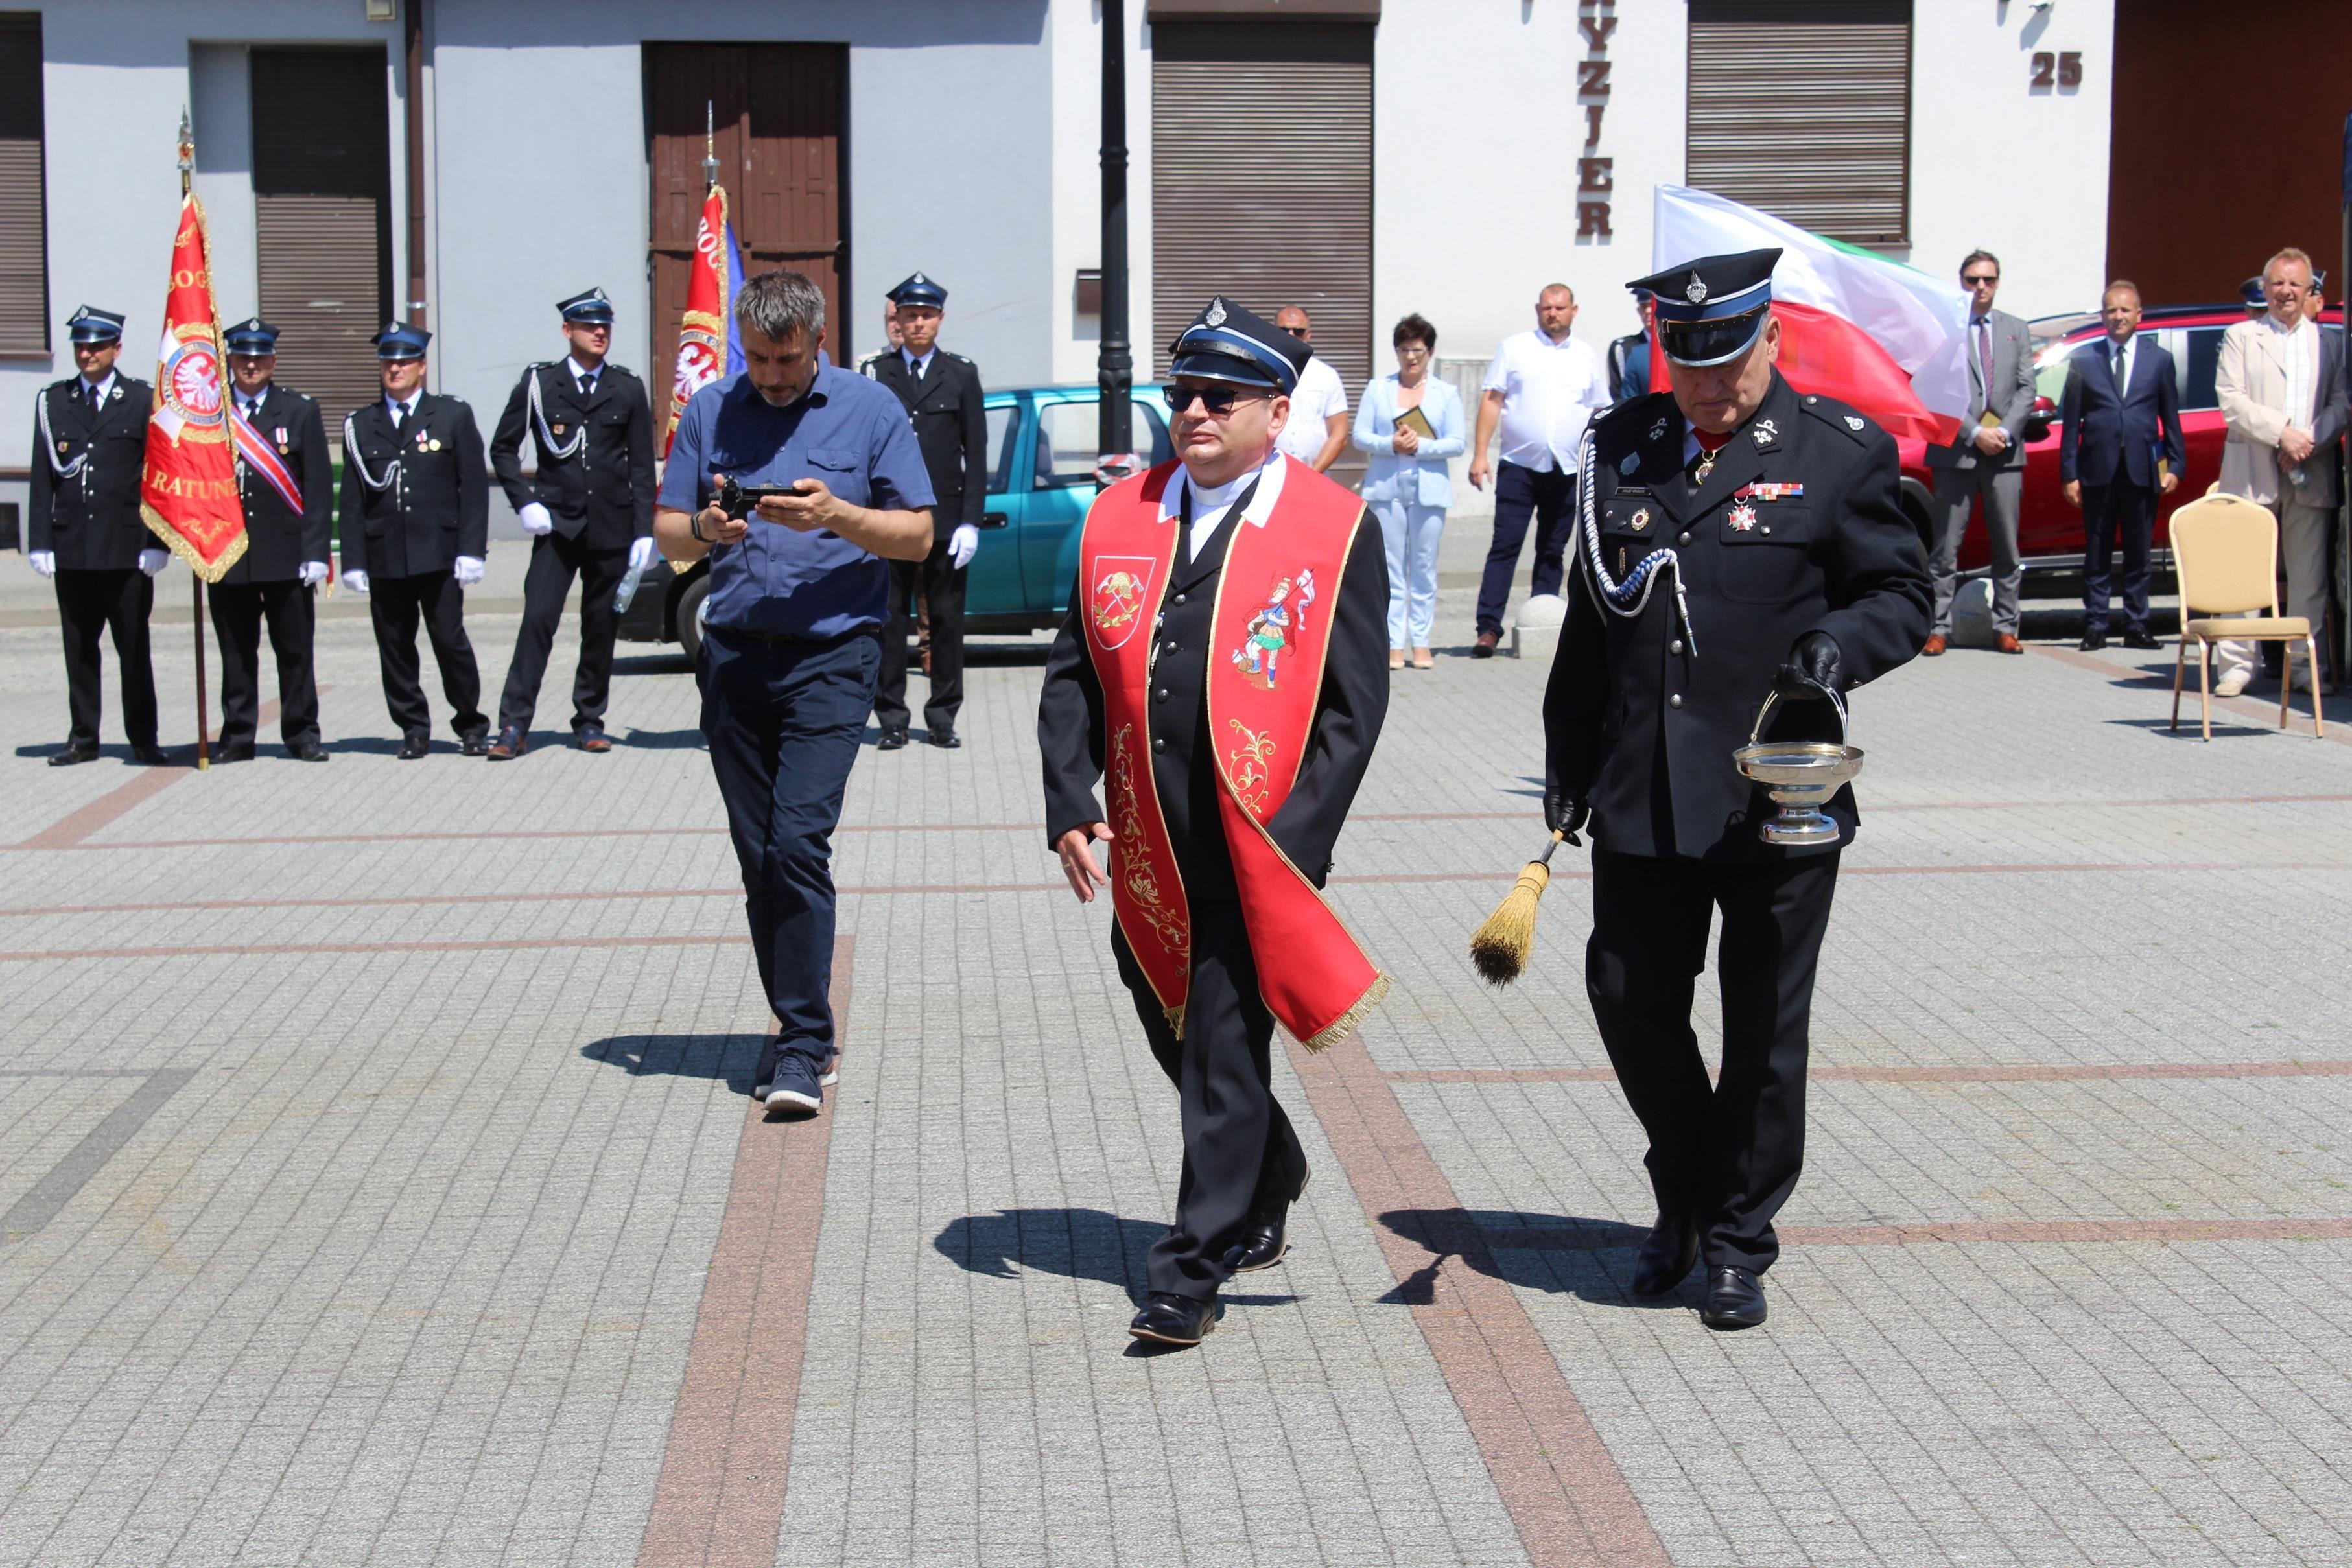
{"x": 1041, "y": 479}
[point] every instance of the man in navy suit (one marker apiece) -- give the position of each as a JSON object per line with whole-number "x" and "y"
{"x": 2118, "y": 449}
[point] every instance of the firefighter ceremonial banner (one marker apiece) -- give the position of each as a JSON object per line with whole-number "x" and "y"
{"x": 707, "y": 351}
{"x": 188, "y": 493}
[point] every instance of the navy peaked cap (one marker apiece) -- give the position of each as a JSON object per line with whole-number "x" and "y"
{"x": 592, "y": 308}
{"x": 251, "y": 336}
{"x": 399, "y": 341}
{"x": 1228, "y": 343}
{"x": 88, "y": 324}
{"x": 1710, "y": 310}
{"x": 919, "y": 290}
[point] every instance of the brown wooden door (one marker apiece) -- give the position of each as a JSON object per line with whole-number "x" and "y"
{"x": 781, "y": 120}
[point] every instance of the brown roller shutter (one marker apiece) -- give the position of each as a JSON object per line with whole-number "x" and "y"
{"x": 1803, "y": 108}
{"x": 1261, "y": 179}
{"x": 780, "y": 113}
{"x": 24, "y": 266}
{"x": 322, "y": 217}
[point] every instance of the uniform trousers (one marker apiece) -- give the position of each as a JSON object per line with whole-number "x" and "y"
{"x": 1726, "y": 1153}
{"x": 942, "y": 585}
{"x": 1956, "y": 492}
{"x": 784, "y": 719}
{"x": 1411, "y": 531}
{"x": 117, "y": 599}
{"x": 2125, "y": 509}
{"x": 2303, "y": 555}
{"x": 238, "y": 609}
{"x": 546, "y": 586}
{"x": 1242, "y": 1158}
{"x": 1547, "y": 495}
{"x": 395, "y": 604}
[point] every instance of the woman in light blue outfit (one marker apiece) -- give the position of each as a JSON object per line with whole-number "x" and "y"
{"x": 1405, "y": 483}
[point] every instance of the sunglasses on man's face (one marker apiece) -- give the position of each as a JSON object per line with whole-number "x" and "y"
{"x": 1981, "y": 279}
{"x": 1295, "y": 331}
{"x": 1213, "y": 399}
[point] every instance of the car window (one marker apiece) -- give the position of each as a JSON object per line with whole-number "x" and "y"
{"x": 1000, "y": 429}
{"x": 2197, "y": 368}
{"x": 1067, "y": 436}
{"x": 2050, "y": 381}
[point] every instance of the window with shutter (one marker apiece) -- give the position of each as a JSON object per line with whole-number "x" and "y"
{"x": 23, "y": 232}
{"x": 1802, "y": 108}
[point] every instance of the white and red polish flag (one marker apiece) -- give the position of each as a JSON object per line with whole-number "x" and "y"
{"x": 706, "y": 349}
{"x": 188, "y": 492}
{"x": 1855, "y": 326}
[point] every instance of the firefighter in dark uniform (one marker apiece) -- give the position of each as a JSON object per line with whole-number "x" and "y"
{"x": 591, "y": 509}
{"x": 1738, "y": 540}
{"x": 945, "y": 404}
{"x": 83, "y": 532}
{"x": 284, "y": 557}
{"x": 415, "y": 524}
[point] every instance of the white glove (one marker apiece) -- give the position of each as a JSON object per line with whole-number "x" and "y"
{"x": 469, "y": 570}
{"x": 152, "y": 562}
{"x": 535, "y": 519}
{"x": 43, "y": 561}
{"x": 641, "y": 554}
{"x": 312, "y": 573}
{"x": 356, "y": 580}
{"x": 962, "y": 544}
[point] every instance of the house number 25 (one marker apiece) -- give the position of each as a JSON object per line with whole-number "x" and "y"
{"x": 2063, "y": 70}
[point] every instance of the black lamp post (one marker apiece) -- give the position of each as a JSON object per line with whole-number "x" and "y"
{"x": 1114, "y": 364}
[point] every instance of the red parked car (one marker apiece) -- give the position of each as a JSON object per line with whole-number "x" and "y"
{"x": 2050, "y": 532}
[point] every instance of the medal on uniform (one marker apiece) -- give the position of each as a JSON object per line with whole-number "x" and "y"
{"x": 61, "y": 449}
{"x": 435, "y": 446}
{"x": 1641, "y": 520}
{"x": 1705, "y": 467}
{"x": 558, "y": 428}
{"x": 1743, "y": 517}
{"x": 421, "y": 439}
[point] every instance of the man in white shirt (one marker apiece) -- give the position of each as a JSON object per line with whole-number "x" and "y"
{"x": 2280, "y": 382}
{"x": 1544, "y": 387}
{"x": 1317, "y": 431}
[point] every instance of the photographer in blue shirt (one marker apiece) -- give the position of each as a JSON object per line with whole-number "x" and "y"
{"x": 799, "y": 589}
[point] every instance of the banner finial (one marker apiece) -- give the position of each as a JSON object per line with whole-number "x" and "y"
{"x": 187, "y": 150}
{"x": 709, "y": 146}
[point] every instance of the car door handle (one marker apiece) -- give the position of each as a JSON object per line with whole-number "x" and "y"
{"x": 995, "y": 520}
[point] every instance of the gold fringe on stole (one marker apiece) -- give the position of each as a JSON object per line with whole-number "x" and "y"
{"x": 1340, "y": 1028}
{"x": 1176, "y": 1020}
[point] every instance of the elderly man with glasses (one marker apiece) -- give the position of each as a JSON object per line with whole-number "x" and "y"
{"x": 1223, "y": 672}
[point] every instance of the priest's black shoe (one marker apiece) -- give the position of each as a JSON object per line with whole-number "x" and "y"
{"x": 149, "y": 756}
{"x": 892, "y": 740}
{"x": 945, "y": 739}
{"x": 474, "y": 745}
{"x": 1174, "y": 1319}
{"x": 2138, "y": 637}
{"x": 413, "y": 747}
{"x": 240, "y": 752}
{"x": 1667, "y": 1256}
{"x": 2092, "y": 642}
{"x": 1735, "y": 1299}
{"x": 1261, "y": 1246}
{"x": 308, "y": 751}
{"x": 73, "y": 754}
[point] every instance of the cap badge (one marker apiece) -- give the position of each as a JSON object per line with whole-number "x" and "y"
{"x": 1216, "y": 312}
{"x": 1696, "y": 291}
{"x": 1641, "y": 520}
{"x": 1853, "y": 424}
{"x": 1743, "y": 517}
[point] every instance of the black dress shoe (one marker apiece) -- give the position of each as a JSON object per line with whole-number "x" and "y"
{"x": 413, "y": 747}
{"x": 892, "y": 740}
{"x": 1666, "y": 1255}
{"x": 1735, "y": 1300}
{"x": 149, "y": 756}
{"x": 308, "y": 751}
{"x": 945, "y": 739}
{"x": 474, "y": 745}
{"x": 241, "y": 752}
{"x": 1261, "y": 1246}
{"x": 2092, "y": 642}
{"x": 73, "y": 754}
{"x": 1175, "y": 1320}
{"x": 2137, "y": 637}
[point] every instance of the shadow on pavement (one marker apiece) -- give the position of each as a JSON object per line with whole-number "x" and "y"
{"x": 1081, "y": 1243}
{"x": 664, "y": 739}
{"x": 670, "y": 663}
{"x": 1539, "y": 1251}
{"x": 729, "y": 1058}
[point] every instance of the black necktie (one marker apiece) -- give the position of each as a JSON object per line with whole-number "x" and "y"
{"x": 399, "y": 417}
{"x": 588, "y": 384}
{"x": 89, "y": 395}
{"x": 915, "y": 368}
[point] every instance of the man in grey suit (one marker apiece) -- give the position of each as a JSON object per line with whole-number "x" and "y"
{"x": 1988, "y": 461}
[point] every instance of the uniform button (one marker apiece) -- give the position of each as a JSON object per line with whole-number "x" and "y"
{"x": 1675, "y": 700}
{"x": 1179, "y": 599}
{"x": 1160, "y": 695}
{"x": 1683, "y": 537}
{"x": 1675, "y": 646}
{"x": 1160, "y": 742}
{"x": 1169, "y": 647}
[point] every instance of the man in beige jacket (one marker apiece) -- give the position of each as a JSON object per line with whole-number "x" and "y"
{"x": 2281, "y": 386}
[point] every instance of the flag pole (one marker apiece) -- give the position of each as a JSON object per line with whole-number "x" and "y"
{"x": 709, "y": 147}
{"x": 195, "y": 578}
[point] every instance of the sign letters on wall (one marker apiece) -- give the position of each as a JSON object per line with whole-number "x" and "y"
{"x": 1595, "y": 178}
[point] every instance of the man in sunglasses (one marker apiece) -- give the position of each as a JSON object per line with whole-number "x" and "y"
{"x": 1987, "y": 460}
{"x": 1739, "y": 542}
{"x": 1225, "y": 672}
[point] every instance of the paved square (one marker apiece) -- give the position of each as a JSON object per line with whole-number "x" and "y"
{"x": 378, "y": 1185}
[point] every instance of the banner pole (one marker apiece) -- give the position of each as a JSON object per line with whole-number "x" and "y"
{"x": 204, "y": 722}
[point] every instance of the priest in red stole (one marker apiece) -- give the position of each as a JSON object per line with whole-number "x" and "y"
{"x": 1223, "y": 674}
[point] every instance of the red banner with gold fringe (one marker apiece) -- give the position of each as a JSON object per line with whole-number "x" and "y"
{"x": 188, "y": 493}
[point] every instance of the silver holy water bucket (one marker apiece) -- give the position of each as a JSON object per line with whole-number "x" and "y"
{"x": 1800, "y": 776}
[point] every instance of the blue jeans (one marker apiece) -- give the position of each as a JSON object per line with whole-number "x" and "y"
{"x": 1520, "y": 494}
{"x": 784, "y": 721}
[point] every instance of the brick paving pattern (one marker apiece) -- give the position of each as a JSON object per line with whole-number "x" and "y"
{"x": 377, "y": 1186}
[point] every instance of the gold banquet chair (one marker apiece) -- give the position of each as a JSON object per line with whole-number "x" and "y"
{"x": 2225, "y": 554}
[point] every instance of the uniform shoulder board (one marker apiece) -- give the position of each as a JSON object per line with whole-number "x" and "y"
{"x": 1840, "y": 417}
{"x": 620, "y": 369}
{"x": 951, "y": 354}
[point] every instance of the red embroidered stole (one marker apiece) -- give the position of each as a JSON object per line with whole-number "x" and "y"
{"x": 1271, "y": 631}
